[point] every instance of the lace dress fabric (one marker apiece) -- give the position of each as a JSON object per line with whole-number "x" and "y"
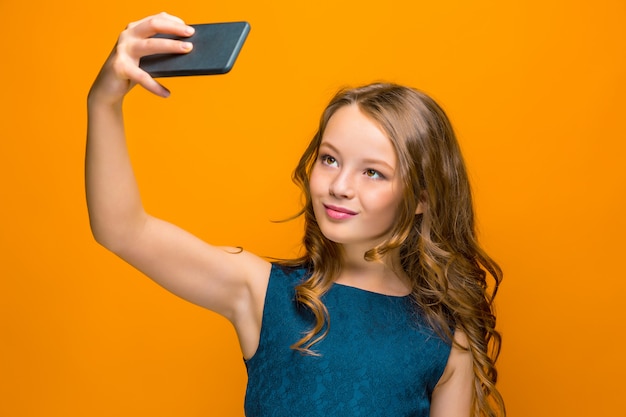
{"x": 378, "y": 359}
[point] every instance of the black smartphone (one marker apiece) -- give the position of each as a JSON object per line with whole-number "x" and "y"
{"x": 215, "y": 49}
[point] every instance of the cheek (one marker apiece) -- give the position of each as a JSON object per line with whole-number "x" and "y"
{"x": 315, "y": 182}
{"x": 386, "y": 201}
{"x": 383, "y": 208}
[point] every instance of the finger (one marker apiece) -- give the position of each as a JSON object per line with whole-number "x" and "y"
{"x": 163, "y": 15}
{"x": 139, "y": 76}
{"x": 160, "y": 23}
{"x": 152, "y": 46}
{"x": 126, "y": 69}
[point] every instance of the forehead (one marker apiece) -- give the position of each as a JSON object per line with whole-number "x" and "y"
{"x": 352, "y": 131}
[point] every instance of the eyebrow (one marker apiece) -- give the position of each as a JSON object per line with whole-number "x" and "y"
{"x": 372, "y": 161}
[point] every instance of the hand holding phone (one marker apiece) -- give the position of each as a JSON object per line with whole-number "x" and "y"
{"x": 216, "y": 47}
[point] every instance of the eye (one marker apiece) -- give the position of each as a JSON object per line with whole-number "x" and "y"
{"x": 328, "y": 160}
{"x": 372, "y": 173}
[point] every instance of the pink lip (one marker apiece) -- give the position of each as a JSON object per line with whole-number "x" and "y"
{"x": 338, "y": 213}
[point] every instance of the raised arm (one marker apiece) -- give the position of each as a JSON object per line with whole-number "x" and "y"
{"x": 230, "y": 283}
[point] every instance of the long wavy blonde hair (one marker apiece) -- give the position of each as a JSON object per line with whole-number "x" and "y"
{"x": 438, "y": 248}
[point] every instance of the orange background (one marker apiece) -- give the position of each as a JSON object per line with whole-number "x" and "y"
{"x": 534, "y": 88}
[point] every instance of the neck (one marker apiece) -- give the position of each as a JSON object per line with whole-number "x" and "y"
{"x": 384, "y": 276}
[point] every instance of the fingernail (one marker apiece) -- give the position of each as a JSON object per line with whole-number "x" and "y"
{"x": 189, "y": 30}
{"x": 187, "y": 46}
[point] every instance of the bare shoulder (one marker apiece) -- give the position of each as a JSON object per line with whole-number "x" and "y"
{"x": 460, "y": 358}
{"x": 254, "y": 268}
{"x": 251, "y": 270}
{"x": 247, "y": 313}
{"x": 246, "y": 261}
{"x": 453, "y": 394}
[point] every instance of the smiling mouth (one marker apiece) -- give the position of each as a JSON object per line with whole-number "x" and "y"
{"x": 339, "y": 213}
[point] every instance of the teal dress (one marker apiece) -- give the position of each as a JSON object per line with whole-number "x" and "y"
{"x": 378, "y": 359}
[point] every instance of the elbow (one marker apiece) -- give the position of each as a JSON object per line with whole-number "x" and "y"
{"x": 105, "y": 238}
{"x": 114, "y": 239}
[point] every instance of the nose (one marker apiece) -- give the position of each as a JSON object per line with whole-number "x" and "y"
{"x": 342, "y": 185}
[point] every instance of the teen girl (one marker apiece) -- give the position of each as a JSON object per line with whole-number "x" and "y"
{"x": 386, "y": 313}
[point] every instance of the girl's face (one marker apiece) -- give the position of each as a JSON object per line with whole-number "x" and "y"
{"x": 355, "y": 184}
